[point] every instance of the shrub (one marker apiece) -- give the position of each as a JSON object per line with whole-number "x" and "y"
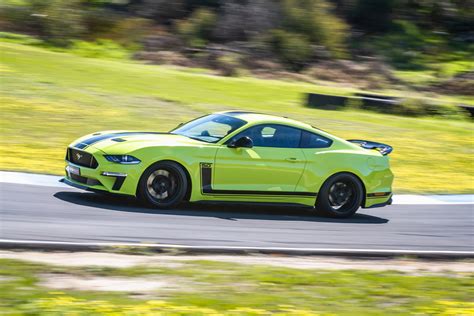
{"x": 130, "y": 31}
{"x": 354, "y": 103}
{"x": 14, "y": 17}
{"x": 101, "y": 48}
{"x": 293, "y": 49}
{"x": 55, "y": 21}
{"x": 164, "y": 58}
{"x": 197, "y": 30}
{"x": 314, "y": 19}
{"x": 446, "y": 110}
{"x": 161, "y": 10}
{"x": 61, "y": 21}
{"x": 19, "y": 38}
{"x": 424, "y": 107}
{"x": 99, "y": 21}
{"x": 228, "y": 65}
{"x": 408, "y": 46}
{"x": 240, "y": 20}
{"x": 373, "y": 15}
{"x": 410, "y": 107}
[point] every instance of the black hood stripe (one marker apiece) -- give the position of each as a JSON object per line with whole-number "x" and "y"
{"x": 97, "y": 138}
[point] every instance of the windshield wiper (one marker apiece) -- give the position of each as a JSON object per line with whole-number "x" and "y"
{"x": 199, "y": 138}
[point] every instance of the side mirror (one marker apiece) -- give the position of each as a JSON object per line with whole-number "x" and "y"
{"x": 244, "y": 142}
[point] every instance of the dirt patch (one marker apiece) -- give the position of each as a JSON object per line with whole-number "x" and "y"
{"x": 83, "y": 259}
{"x": 372, "y": 74}
{"x": 137, "y": 286}
{"x": 462, "y": 84}
{"x": 410, "y": 266}
{"x": 7, "y": 279}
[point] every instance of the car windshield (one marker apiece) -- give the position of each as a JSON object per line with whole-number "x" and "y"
{"x": 210, "y": 128}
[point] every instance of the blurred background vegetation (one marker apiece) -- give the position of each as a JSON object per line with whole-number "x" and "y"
{"x": 71, "y": 67}
{"x": 367, "y": 43}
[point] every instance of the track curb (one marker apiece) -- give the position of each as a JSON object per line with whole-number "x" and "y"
{"x": 184, "y": 249}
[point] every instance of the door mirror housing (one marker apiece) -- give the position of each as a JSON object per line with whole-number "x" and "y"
{"x": 242, "y": 142}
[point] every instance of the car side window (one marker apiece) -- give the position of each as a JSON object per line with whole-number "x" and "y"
{"x": 273, "y": 135}
{"x": 311, "y": 140}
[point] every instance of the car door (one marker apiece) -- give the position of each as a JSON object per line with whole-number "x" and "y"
{"x": 314, "y": 146}
{"x": 275, "y": 163}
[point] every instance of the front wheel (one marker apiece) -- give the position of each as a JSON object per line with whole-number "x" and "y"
{"x": 163, "y": 185}
{"x": 340, "y": 196}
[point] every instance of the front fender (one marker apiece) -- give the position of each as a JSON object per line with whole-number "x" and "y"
{"x": 187, "y": 156}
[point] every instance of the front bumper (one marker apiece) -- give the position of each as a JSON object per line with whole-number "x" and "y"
{"x": 89, "y": 182}
{"x": 106, "y": 176}
{"x": 79, "y": 186}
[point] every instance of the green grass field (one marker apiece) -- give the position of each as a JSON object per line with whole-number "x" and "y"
{"x": 50, "y": 98}
{"x": 217, "y": 288}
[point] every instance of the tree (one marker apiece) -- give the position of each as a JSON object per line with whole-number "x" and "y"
{"x": 162, "y": 11}
{"x": 373, "y": 15}
{"x": 240, "y": 20}
{"x": 293, "y": 49}
{"x": 197, "y": 30}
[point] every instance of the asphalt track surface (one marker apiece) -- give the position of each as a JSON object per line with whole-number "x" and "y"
{"x": 31, "y": 212}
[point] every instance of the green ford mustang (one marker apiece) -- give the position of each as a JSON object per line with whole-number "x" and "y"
{"x": 235, "y": 157}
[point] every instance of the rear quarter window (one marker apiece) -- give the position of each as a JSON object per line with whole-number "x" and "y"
{"x": 311, "y": 140}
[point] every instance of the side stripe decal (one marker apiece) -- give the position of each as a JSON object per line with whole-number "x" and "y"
{"x": 206, "y": 186}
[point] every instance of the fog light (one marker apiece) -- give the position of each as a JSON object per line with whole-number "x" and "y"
{"x": 113, "y": 174}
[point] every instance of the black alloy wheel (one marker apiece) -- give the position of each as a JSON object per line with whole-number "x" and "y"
{"x": 340, "y": 196}
{"x": 163, "y": 185}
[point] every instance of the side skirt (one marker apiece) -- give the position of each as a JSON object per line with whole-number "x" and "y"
{"x": 276, "y": 204}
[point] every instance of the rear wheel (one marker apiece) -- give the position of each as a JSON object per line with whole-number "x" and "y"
{"x": 340, "y": 196}
{"x": 163, "y": 185}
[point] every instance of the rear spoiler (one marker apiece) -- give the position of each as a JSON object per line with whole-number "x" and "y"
{"x": 382, "y": 148}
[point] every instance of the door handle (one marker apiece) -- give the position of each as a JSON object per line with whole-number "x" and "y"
{"x": 293, "y": 159}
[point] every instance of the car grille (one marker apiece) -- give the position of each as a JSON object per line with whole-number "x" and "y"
{"x": 84, "y": 180}
{"x": 81, "y": 158}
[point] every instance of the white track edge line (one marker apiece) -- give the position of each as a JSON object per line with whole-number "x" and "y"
{"x": 157, "y": 245}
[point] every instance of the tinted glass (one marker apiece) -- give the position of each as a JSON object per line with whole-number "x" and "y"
{"x": 210, "y": 128}
{"x": 310, "y": 140}
{"x": 273, "y": 136}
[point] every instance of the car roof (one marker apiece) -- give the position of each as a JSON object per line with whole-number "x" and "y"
{"x": 253, "y": 117}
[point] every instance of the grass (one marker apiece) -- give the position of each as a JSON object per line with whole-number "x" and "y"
{"x": 233, "y": 289}
{"x": 51, "y": 98}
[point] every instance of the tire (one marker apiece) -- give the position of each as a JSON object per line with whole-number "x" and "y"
{"x": 340, "y": 196}
{"x": 163, "y": 185}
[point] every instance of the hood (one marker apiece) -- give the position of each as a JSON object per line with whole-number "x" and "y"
{"x": 112, "y": 142}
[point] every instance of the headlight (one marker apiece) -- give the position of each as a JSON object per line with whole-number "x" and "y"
{"x": 123, "y": 159}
